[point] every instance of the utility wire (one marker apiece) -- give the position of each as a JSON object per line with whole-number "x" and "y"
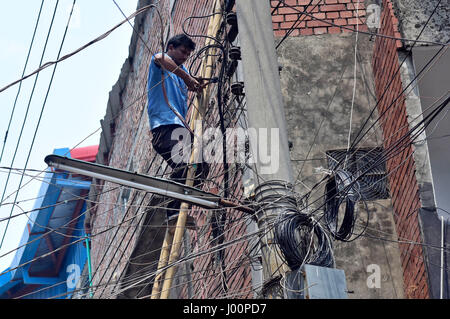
{"x": 26, "y": 115}
{"x": 364, "y": 32}
{"x": 355, "y": 141}
{"x": 101, "y": 37}
{"x": 297, "y": 23}
{"x": 129, "y": 287}
{"x": 41, "y": 113}
{"x": 23, "y": 73}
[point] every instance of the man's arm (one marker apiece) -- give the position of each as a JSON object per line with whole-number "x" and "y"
{"x": 168, "y": 64}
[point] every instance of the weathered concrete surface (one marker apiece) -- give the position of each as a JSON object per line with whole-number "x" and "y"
{"x": 429, "y": 215}
{"x": 414, "y": 14}
{"x": 317, "y": 85}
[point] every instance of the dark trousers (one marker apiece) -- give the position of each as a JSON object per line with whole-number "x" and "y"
{"x": 164, "y": 145}
{"x": 173, "y": 151}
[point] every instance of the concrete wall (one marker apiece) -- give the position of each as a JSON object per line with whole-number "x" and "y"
{"x": 430, "y": 149}
{"x": 317, "y": 84}
{"x": 127, "y": 238}
{"x": 414, "y": 14}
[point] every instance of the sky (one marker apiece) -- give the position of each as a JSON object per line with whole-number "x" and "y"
{"x": 77, "y": 99}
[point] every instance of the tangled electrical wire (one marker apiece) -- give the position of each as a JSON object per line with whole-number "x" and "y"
{"x": 340, "y": 189}
{"x": 294, "y": 231}
{"x": 343, "y": 187}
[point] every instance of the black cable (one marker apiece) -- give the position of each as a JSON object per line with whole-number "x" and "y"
{"x": 336, "y": 195}
{"x": 363, "y": 32}
{"x": 198, "y": 35}
{"x": 20, "y": 85}
{"x": 331, "y": 201}
{"x": 296, "y": 23}
{"x": 26, "y": 116}
{"x": 280, "y": 2}
{"x": 342, "y": 188}
{"x": 294, "y": 233}
{"x": 293, "y": 229}
{"x": 409, "y": 53}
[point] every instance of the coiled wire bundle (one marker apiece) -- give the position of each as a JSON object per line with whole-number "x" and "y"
{"x": 342, "y": 188}
{"x": 303, "y": 241}
{"x": 300, "y": 239}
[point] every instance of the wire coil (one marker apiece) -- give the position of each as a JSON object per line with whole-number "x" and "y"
{"x": 342, "y": 188}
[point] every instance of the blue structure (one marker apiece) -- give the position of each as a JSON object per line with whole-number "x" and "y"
{"x": 52, "y": 251}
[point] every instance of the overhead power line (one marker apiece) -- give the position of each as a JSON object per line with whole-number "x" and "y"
{"x": 26, "y": 116}
{"x": 101, "y": 37}
{"x": 42, "y": 110}
{"x": 23, "y": 73}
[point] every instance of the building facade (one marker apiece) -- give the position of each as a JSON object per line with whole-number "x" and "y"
{"x": 344, "y": 92}
{"x": 53, "y": 251}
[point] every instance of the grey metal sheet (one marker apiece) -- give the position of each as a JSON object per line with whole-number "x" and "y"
{"x": 325, "y": 283}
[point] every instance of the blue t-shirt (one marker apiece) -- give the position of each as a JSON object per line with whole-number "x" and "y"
{"x": 159, "y": 113}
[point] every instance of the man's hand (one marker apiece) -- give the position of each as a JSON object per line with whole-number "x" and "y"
{"x": 194, "y": 84}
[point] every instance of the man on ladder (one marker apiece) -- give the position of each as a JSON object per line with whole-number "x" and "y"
{"x": 167, "y": 89}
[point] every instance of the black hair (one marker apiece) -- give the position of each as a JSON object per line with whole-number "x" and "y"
{"x": 181, "y": 39}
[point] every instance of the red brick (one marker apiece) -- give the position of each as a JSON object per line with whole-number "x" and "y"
{"x": 332, "y": 7}
{"x": 334, "y": 30}
{"x": 286, "y": 10}
{"x": 287, "y": 25}
{"x": 316, "y": 23}
{"x": 279, "y": 33}
{"x": 340, "y": 21}
{"x": 353, "y": 6}
{"x": 306, "y": 31}
{"x": 293, "y": 33}
{"x": 363, "y": 28}
{"x": 354, "y": 21}
{"x": 320, "y": 30}
{"x": 332, "y": 15}
{"x": 319, "y": 15}
{"x": 291, "y": 2}
{"x": 346, "y": 14}
{"x": 273, "y": 4}
{"x": 311, "y": 9}
{"x": 291, "y": 17}
{"x": 278, "y": 18}
{"x": 360, "y": 13}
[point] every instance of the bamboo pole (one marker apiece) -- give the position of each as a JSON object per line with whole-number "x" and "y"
{"x": 174, "y": 242}
{"x": 163, "y": 260}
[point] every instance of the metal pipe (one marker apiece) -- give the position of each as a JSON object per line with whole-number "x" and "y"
{"x": 88, "y": 252}
{"x": 186, "y": 198}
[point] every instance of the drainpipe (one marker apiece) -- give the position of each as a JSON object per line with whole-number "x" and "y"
{"x": 88, "y": 253}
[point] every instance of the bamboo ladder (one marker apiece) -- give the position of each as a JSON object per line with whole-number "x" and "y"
{"x": 172, "y": 242}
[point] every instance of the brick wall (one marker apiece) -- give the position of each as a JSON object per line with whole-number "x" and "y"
{"x": 116, "y": 233}
{"x": 403, "y": 184}
{"x": 340, "y": 13}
